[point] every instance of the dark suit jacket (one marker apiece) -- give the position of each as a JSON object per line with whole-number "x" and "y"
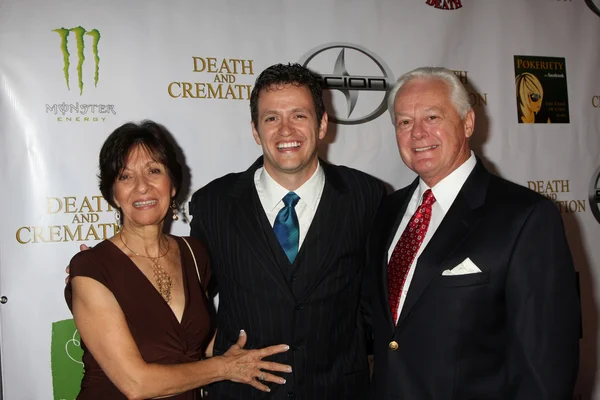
{"x": 312, "y": 305}
{"x": 510, "y": 332}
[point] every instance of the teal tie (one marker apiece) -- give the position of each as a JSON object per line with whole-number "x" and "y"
{"x": 286, "y": 226}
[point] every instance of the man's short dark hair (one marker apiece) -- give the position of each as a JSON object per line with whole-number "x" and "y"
{"x": 153, "y": 138}
{"x": 291, "y": 74}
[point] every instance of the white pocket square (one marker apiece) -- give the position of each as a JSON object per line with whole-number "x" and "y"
{"x": 464, "y": 268}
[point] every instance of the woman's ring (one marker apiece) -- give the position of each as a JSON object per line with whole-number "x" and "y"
{"x": 262, "y": 376}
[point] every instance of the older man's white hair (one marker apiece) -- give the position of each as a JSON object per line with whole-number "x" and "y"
{"x": 458, "y": 94}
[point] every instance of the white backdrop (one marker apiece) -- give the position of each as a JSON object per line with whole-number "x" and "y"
{"x": 190, "y": 66}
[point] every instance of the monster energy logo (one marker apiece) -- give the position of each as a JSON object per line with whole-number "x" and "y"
{"x": 64, "y": 40}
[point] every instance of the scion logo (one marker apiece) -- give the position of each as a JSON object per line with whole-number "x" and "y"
{"x": 350, "y": 85}
{"x": 594, "y": 5}
{"x": 594, "y": 196}
{"x": 78, "y": 33}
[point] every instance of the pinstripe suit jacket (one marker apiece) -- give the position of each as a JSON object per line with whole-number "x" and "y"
{"x": 312, "y": 304}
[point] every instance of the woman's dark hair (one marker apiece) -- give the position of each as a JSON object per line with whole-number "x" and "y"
{"x": 154, "y": 138}
{"x": 290, "y": 74}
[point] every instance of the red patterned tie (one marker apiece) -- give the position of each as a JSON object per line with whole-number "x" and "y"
{"x": 406, "y": 249}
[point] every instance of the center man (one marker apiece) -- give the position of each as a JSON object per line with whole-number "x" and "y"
{"x": 287, "y": 245}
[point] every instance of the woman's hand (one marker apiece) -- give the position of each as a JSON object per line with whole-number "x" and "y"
{"x": 82, "y": 247}
{"x": 247, "y": 366}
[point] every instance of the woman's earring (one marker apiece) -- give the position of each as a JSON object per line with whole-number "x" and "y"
{"x": 175, "y": 211}
{"x": 118, "y": 217}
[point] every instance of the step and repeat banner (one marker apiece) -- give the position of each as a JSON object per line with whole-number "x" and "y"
{"x": 71, "y": 72}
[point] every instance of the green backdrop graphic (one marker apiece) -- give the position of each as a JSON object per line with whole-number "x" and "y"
{"x": 67, "y": 368}
{"x": 80, "y": 41}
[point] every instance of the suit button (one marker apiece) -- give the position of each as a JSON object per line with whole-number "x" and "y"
{"x": 299, "y": 307}
{"x": 295, "y": 348}
{"x": 393, "y": 345}
{"x": 293, "y": 279}
{"x": 291, "y": 396}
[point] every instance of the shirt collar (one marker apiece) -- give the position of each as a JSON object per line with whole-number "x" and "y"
{"x": 447, "y": 189}
{"x": 309, "y": 193}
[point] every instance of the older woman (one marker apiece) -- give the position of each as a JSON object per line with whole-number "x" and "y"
{"x": 138, "y": 298}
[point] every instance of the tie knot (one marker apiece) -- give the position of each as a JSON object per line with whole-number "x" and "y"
{"x": 291, "y": 199}
{"x": 428, "y": 198}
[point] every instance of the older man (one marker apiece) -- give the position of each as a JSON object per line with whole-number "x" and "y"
{"x": 474, "y": 293}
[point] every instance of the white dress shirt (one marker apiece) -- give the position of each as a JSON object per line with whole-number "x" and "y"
{"x": 444, "y": 192}
{"x": 271, "y": 196}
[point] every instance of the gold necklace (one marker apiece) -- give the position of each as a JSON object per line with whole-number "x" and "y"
{"x": 162, "y": 277}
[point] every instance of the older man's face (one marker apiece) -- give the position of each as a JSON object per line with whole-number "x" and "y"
{"x": 431, "y": 136}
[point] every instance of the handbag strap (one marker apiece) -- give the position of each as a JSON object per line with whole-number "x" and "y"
{"x": 202, "y": 392}
{"x": 195, "y": 262}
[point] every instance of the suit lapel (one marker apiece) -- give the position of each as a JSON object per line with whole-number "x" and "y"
{"x": 460, "y": 219}
{"x": 247, "y": 214}
{"x": 320, "y": 244}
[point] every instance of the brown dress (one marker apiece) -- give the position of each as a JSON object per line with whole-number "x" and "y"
{"x": 157, "y": 332}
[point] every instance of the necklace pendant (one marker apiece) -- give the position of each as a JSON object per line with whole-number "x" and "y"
{"x": 162, "y": 277}
{"x": 163, "y": 280}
